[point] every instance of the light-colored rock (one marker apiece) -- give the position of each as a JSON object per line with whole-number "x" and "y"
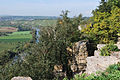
{"x": 100, "y": 46}
{"x": 79, "y": 55}
{"x": 97, "y": 53}
{"x": 21, "y": 78}
{"x": 116, "y": 54}
{"x": 58, "y": 68}
{"x": 100, "y": 63}
{"x": 118, "y": 45}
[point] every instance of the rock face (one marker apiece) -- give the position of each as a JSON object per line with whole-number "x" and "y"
{"x": 79, "y": 55}
{"x": 77, "y": 59}
{"x": 100, "y": 63}
{"x": 21, "y": 78}
{"x": 116, "y": 54}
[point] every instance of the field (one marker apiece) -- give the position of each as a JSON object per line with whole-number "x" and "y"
{"x": 28, "y": 23}
{"x": 11, "y": 41}
{"x": 8, "y": 29}
{"x": 16, "y": 37}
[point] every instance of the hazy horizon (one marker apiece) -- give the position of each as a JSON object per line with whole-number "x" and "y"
{"x": 47, "y": 7}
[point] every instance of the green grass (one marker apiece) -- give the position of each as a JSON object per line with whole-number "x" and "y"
{"x": 17, "y": 36}
{"x": 12, "y": 40}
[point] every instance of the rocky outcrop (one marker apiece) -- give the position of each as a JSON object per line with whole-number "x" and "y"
{"x": 21, "y": 78}
{"x": 79, "y": 55}
{"x": 115, "y": 54}
{"x": 77, "y": 60}
{"x": 100, "y": 63}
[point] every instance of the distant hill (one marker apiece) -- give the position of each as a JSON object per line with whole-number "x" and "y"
{"x": 7, "y": 18}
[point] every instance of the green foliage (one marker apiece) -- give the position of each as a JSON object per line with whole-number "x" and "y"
{"x": 6, "y": 46}
{"x": 106, "y": 5}
{"x": 18, "y": 35}
{"x": 106, "y": 50}
{"x": 112, "y": 47}
{"x": 105, "y": 27}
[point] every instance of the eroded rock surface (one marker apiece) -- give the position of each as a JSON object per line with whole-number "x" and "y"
{"x": 100, "y": 63}
{"x": 79, "y": 55}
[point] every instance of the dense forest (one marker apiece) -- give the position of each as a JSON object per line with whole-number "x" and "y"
{"x": 37, "y": 59}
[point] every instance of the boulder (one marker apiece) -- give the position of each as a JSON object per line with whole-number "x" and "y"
{"x": 100, "y": 63}
{"x": 100, "y": 46}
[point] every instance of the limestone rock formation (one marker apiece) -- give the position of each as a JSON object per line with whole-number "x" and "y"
{"x": 79, "y": 55}
{"x": 21, "y": 78}
{"x": 116, "y": 54}
{"x": 100, "y": 63}
{"x": 100, "y": 46}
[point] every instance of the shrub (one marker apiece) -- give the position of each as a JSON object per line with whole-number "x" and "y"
{"x": 106, "y": 51}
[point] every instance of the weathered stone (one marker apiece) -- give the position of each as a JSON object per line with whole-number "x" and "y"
{"x": 74, "y": 68}
{"x": 81, "y": 67}
{"x": 58, "y": 71}
{"x": 100, "y": 63}
{"x": 116, "y": 54}
{"x": 100, "y": 46}
{"x": 58, "y": 68}
{"x": 97, "y": 53}
{"x": 79, "y": 57}
{"x": 118, "y": 45}
{"x": 83, "y": 61}
{"x": 21, "y": 78}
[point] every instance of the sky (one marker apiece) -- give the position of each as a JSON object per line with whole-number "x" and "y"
{"x": 47, "y": 7}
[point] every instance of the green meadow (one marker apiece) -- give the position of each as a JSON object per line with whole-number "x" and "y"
{"x": 11, "y": 40}
{"x": 16, "y": 36}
